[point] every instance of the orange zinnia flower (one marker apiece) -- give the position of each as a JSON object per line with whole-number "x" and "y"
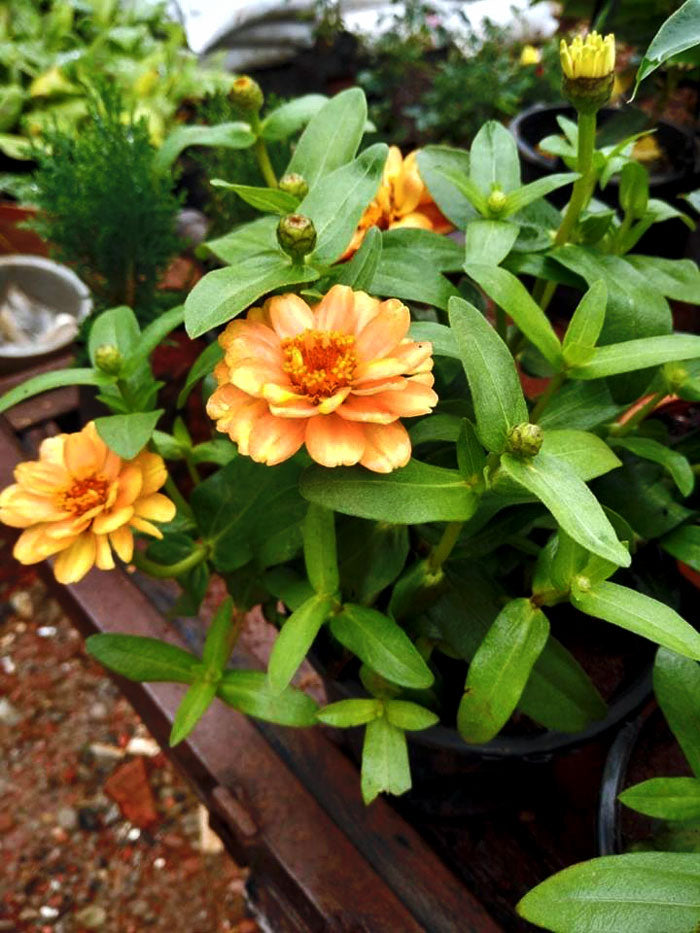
{"x": 402, "y": 201}
{"x": 336, "y": 378}
{"x": 80, "y": 500}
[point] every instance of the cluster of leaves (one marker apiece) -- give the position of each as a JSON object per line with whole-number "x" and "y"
{"x": 423, "y": 87}
{"x": 51, "y": 50}
{"x": 105, "y": 207}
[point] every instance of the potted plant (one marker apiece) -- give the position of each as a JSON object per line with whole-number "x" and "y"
{"x": 436, "y": 565}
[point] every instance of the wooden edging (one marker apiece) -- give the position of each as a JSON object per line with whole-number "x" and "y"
{"x": 286, "y": 802}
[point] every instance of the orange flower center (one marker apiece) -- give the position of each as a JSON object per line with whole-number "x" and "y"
{"x": 319, "y": 362}
{"x": 84, "y": 495}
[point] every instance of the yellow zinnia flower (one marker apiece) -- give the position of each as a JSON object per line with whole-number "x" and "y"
{"x": 336, "y": 378}
{"x": 81, "y": 501}
{"x": 593, "y": 57}
{"x": 401, "y": 201}
{"x": 530, "y": 55}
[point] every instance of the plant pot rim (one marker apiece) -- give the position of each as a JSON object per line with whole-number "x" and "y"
{"x": 549, "y": 165}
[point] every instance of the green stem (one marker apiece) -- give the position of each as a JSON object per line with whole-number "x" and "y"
{"x": 443, "y": 548}
{"x": 192, "y": 470}
{"x": 164, "y": 571}
{"x": 262, "y": 155}
{"x": 555, "y": 383}
{"x": 639, "y": 415}
{"x": 181, "y": 503}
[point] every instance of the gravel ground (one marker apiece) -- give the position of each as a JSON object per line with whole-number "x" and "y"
{"x": 97, "y": 830}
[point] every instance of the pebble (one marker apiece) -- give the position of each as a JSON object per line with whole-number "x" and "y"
{"x": 8, "y": 665}
{"x": 98, "y": 711}
{"x": 48, "y": 913}
{"x": 67, "y": 818}
{"x": 46, "y": 631}
{"x": 9, "y": 716}
{"x": 21, "y": 602}
{"x": 93, "y": 917}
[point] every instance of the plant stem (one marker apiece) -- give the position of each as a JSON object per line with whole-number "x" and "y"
{"x": 262, "y": 155}
{"x": 646, "y": 409}
{"x": 192, "y": 470}
{"x": 164, "y": 571}
{"x": 580, "y": 196}
{"x": 181, "y": 503}
{"x": 555, "y": 383}
{"x": 443, "y": 548}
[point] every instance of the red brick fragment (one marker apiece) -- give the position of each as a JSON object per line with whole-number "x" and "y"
{"x": 129, "y": 788}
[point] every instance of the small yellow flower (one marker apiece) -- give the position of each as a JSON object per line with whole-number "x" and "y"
{"x": 530, "y": 55}
{"x": 81, "y": 501}
{"x": 592, "y": 57}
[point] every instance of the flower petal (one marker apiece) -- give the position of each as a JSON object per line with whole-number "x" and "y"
{"x": 33, "y": 545}
{"x": 77, "y": 560}
{"x": 51, "y": 449}
{"x": 275, "y": 439}
{"x": 38, "y": 476}
{"x": 387, "y": 447}
{"x": 358, "y": 408}
{"x": 81, "y": 455}
{"x": 336, "y": 310}
{"x": 332, "y": 441}
{"x": 157, "y": 507}
{"x": 252, "y": 376}
{"x": 384, "y": 332}
{"x": 153, "y": 470}
{"x": 140, "y": 524}
{"x": 103, "y": 553}
{"x": 130, "y": 483}
{"x": 109, "y": 521}
{"x": 122, "y": 540}
{"x": 290, "y": 315}
{"x": 413, "y": 400}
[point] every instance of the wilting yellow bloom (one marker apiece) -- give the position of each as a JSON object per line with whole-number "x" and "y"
{"x": 81, "y": 501}
{"x": 593, "y": 57}
{"x": 401, "y": 201}
{"x": 530, "y": 55}
{"x": 337, "y": 378}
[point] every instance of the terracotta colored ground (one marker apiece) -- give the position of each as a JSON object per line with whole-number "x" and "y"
{"x": 97, "y": 831}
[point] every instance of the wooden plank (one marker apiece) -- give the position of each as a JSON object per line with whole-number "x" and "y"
{"x": 43, "y": 407}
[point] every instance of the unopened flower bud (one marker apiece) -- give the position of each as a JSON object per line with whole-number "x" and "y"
{"x": 108, "y": 359}
{"x": 525, "y": 440}
{"x": 497, "y": 201}
{"x": 588, "y": 67}
{"x": 296, "y": 235}
{"x": 247, "y": 94}
{"x": 294, "y": 184}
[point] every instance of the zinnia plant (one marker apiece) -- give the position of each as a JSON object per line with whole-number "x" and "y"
{"x": 459, "y": 544}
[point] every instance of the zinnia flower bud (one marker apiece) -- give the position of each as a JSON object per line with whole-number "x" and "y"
{"x": 247, "y": 94}
{"x": 496, "y": 202}
{"x": 296, "y": 235}
{"x": 294, "y": 184}
{"x": 588, "y": 67}
{"x": 108, "y": 359}
{"x": 525, "y": 440}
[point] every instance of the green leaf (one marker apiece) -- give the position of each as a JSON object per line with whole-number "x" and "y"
{"x": 637, "y": 613}
{"x": 218, "y": 643}
{"x": 468, "y": 189}
{"x": 681, "y": 31}
{"x": 337, "y": 201}
{"x": 500, "y": 670}
{"x": 638, "y": 354}
{"x": 587, "y": 454}
{"x": 270, "y": 200}
{"x": 371, "y": 557}
{"x": 295, "y": 639}
{"x": 289, "y": 118}
{"x": 677, "y": 689}
{"x": 224, "y": 293}
{"x": 580, "y": 405}
{"x": 332, "y": 136}
{"x": 675, "y": 798}
{"x": 56, "y": 379}
{"x": 116, "y": 327}
{"x": 347, "y": 713}
{"x": 154, "y": 334}
{"x": 249, "y": 692}
{"x": 385, "y": 767}
{"x": 494, "y": 159}
{"x": 675, "y": 278}
{"x": 471, "y": 458}
{"x": 588, "y": 318}
{"x": 641, "y": 892}
{"x": 219, "y": 450}
{"x": 441, "y": 337}
{"x": 675, "y": 463}
{"x": 379, "y": 642}
{"x": 192, "y": 707}
{"x": 236, "y": 135}
{"x": 409, "y": 716}
{"x": 441, "y": 252}
{"x": 202, "y": 367}
{"x": 415, "y": 493}
{"x": 432, "y": 163}
{"x": 499, "y": 403}
{"x": 127, "y": 435}
{"x": 359, "y": 272}
{"x": 246, "y": 240}
{"x": 408, "y": 276}
{"x": 684, "y": 544}
{"x": 245, "y": 508}
{"x": 320, "y": 552}
{"x": 570, "y": 501}
{"x": 510, "y": 294}
{"x": 489, "y": 241}
{"x": 521, "y": 197}
{"x": 143, "y": 659}
{"x": 568, "y": 561}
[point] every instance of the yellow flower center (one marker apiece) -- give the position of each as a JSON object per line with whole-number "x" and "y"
{"x": 319, "y": 362}
{"x": 84, "y": 495}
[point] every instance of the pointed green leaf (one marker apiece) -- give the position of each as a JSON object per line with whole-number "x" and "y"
{"x": 438, "y": 166}
{"x": 236, "y": 135}
{"x": 295, "y": 639}
{"x": 441, "y": 337}
{"x": 270, "y": 200}
{"x": 675, "y": 798}
{"x": 218, "y": 643}
{"x": 116, "y": 327}
{"x": 677, "y": 689}
{"x": 494, "y": 159}
{"x": 202, "y": 367}
{"x": 250, "y": 693}
{"x": 127, "y": 435}
{"x": 381, "y": 644}
{"x": 588, "y": 318}
{"x": 521, "y": 197}
{"x": 385, "y": 767}
{"x": 471, "y": 458}
{"x": 684, "y": 544}
{"x": 320, "y": 551}
{"x": 289, "y": 118}
{"x": 637, "y": 613}
{"x": 347, "y": 713}
{"x": 143, "y": 659}
{"x": 154, "y": 334}
{"x": 568, "y": 561}
{"x": 681, "y": 31}
{"x": 359, "y": 272}
{"x": 489, "y": 241}
{"x": 638, "y": 354}
{"x": 52, "y": 380}
{"x": 332, "y": 136}
{"x": 409, "y": 716}
{"x": 192, "y": 707}
{"x": 675, "y": 463}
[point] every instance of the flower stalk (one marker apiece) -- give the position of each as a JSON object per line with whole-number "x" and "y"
{"x": 165, "y": 571}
